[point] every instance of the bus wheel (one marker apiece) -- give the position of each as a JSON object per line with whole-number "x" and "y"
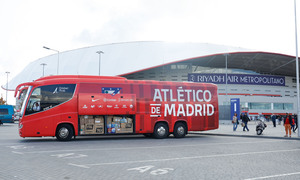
{"x": 179, "y": 130}
{"x": 161, "y": 131}
{"x": 64, "y": 132}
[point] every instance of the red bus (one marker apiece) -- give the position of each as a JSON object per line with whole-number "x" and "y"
{"x": 67, "y": 106}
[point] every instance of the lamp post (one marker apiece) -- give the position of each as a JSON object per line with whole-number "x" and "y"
{"x": 226, "y": 75}
{"x": 57, "y": 56}
{"x": 44, "y": 64}
{"x": 99, "y": 52}
{"x": 297, "y": 67}
{"x": 6, "y": 85}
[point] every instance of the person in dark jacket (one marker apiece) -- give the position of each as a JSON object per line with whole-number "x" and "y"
{"x": 245, "y": 120}
{"x": 288, "y": 124}
{"x": 296, "y": 122}
{"x": 274, "y": 119}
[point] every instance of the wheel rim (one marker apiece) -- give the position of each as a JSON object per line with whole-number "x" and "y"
{"x": 180, "y": 130}
{"x": 63, "y": 132}
{"x": 161, "y": 131}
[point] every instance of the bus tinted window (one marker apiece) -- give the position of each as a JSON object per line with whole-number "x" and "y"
{"x": 3, "y": 111}
{"x": 46, "y": 97}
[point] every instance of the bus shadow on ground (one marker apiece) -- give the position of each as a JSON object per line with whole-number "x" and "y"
{"x": 108, "y": 138}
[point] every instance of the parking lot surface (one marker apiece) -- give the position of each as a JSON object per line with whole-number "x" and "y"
{"x": 198, "y": 156}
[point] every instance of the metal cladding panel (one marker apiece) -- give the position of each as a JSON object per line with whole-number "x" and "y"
{"x": 106, "y": 104}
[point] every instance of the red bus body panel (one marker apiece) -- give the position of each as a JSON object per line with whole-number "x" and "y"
{"x": 149, "y": 101}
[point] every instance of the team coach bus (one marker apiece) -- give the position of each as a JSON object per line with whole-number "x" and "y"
{"x": 67, "y": 106}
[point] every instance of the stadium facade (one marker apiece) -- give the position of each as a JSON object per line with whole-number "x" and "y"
{"x": 264, "y": 82}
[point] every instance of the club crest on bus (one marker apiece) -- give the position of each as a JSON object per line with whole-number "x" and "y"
{"x": 111, "y": 90}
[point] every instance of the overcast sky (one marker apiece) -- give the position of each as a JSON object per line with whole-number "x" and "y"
{"x": 28, "y": 25}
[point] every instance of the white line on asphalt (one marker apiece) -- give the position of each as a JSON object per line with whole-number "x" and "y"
{"x": 17, "y": 152}
{"x": 82, "y": 166}
{"x": 181, "y": 158}
{"x": 153, "y": 147}
{"x": 273, "y": 176}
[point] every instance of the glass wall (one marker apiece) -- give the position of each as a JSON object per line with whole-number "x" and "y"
{"x": 259, "y": 105}
{"x": 276, "y": 106}
{"x": 283, "y": 106}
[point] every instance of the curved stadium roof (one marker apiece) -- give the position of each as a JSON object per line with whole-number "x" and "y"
{"x": 126, "y": 58}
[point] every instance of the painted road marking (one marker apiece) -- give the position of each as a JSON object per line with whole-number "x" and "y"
{"x": 182, "y": 158}
{"x": 153, "y": 147}
{"x": 17, "y": 152}
{"x": 69, "y": 155}
{"x": 274, "y": 176}
{"x": 153, "y": 172}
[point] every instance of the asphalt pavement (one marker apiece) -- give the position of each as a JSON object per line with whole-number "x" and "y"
{"x": 208, "y": 155}
{"x": 226, "y": 129}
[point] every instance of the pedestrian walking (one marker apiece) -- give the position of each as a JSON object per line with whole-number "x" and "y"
{"x": 274, "y": 120}
{"x": 235, "y": 122}
{"x": 296, "y": 122}
{"x": 293, "y": 124}
{"x": 245, "y": 121}
{"x": 288, "y": 124}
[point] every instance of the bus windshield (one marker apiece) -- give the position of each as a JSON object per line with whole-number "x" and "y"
{"x": 23, "y": 104}
{"x": 43, "y": 98}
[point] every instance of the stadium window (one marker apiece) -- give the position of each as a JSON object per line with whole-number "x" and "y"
{"x": 182, "y": 66}
{"x": 288, "y": 106}
{"x": 260, "y": 105}
{"x": 173, "y": 66}
{"x": 278, "y": 106}
{"x": 179, "y": 66}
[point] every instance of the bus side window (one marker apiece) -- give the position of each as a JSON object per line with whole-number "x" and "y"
{"x": 46, "y": 97}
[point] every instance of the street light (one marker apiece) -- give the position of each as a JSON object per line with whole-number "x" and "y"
{"x": 57, "y": 56}
{"x": 99, "y": 52}
{"x": 6, "y": 85}
{"x": 44, "y": 64}
{"x": 297, "y": 68}
{"x": 226, "y": 75}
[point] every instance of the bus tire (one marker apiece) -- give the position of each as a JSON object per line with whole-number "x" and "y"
{"x": 161, "y": 130}
{"x": 64, "y": 132}
{"x": 180, "y": 130}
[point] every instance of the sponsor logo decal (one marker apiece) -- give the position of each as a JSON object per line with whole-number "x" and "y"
{"x": 111, "y": 90}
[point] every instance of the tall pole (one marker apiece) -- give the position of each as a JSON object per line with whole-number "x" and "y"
{"x": 6, "y": 85}
{"x": 226, "y": 76}
{"x": 43, "y": 64}
{"x": 297, "y": 68}
{"x": 99, "y": 52}
{"x": 57, "y": 57}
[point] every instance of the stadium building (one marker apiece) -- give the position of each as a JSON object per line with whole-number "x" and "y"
{"x": 264, "y": 82}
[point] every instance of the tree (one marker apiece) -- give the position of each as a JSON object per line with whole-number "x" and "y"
{"x": 2, "y": 101}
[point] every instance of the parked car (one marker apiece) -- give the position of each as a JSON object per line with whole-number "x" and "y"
{"x": 6, "y": 114}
